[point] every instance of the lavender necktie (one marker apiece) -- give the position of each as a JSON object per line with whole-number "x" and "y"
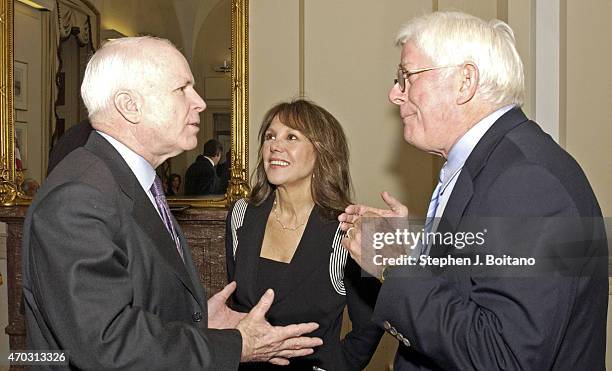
{"x": 164, "y": 210}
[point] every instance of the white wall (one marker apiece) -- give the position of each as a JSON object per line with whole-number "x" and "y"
{"x": 273, "y": 61}
{"x": 589, "y": 93}
{"x": 521, "y": 17}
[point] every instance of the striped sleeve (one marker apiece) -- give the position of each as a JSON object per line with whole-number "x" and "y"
{"x": 236, "y": 221}
{"x": 337, "y": 262}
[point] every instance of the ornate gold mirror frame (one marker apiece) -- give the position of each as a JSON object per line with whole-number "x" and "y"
{"x": 11, "y": 179}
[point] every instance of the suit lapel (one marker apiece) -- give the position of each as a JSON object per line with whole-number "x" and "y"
{"x": 143, "y": 211}
{"x": 200, "y": 295}
{"x": 457, "y": 202}
{"x": 250, "y": 239}
{"x": 150, "y": 222}
{"x": 464, "y": 187}
{"x": 487, "y": 144}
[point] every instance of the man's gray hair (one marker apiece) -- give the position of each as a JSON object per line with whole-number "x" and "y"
{"x": 453, "y": 38}
{"x": 118, "y": 64}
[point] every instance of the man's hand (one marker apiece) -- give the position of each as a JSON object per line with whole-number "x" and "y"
{"x": 352, "y": 224}
{"x": 262, "y": 342}
{"x": 353, "y": 212}
{"x": 220, "y": 316}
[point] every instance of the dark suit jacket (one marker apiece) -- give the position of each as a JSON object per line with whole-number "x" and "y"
{"x": 317, "y": 285}
{"x": 545, "y": 317}
{"x": 201, "y": 178}
{"x": 74, "y": 138}
{"x": 224, "y": 173}
{"x": 102, "y": 278}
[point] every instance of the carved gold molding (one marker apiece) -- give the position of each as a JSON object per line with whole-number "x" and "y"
{"x": 10, "y": 178}
{"x": 240, "y": 105}
{"x": 239, "y": 178}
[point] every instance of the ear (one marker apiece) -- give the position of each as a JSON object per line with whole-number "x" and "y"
{"x": 468, "y": 83}
{"x": 128, "y": 103}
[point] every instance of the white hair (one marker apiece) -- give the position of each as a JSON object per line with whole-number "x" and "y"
{"x": 118, "y": 64}
{"x": 453, "y": 38}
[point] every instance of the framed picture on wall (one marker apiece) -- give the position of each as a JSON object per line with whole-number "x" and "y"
{"x": 21, "y": 142}
{"x": 20, "y": 85}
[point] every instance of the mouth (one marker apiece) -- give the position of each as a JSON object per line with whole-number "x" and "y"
{"x": 279, "y": 163}
{"x": 407, "y": 116}
{"x": 196, "y": 124}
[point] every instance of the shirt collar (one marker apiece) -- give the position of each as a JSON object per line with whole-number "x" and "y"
{"x": 141, "y": 168}
{"x": 210, "y": 160}
{"x": 466, "y": 144}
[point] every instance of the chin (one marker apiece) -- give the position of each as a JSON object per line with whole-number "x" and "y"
{"x": 408, "y": 137}
{"x": 190, "y": 144}
{"x": 274, "y": 180}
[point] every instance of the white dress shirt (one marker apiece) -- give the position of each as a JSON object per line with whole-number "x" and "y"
{"x": 459, "y": 154}
{"x": 141, "y": 168}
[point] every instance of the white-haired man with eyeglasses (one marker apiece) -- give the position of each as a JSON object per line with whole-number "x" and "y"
{"x": 459, "y": 90}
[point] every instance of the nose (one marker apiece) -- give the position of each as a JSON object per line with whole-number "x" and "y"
{"x": 396, "y": 96}
{"x": 276, "y": 146}
{"x": 198, "y": 103}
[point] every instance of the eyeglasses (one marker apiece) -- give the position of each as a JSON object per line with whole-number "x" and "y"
{"x": 403, "y": 75}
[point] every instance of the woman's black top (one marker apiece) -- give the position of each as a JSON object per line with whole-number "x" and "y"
{"x": 319, "y": 282}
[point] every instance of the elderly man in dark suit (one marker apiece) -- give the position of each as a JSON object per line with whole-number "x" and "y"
{"x": 459, "y": 89}
{"x": 107, "y": 273}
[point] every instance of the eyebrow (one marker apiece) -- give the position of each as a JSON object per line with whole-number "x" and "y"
{"x": 403, "y": 66}
{"x": 289, "y": 131}
{"x": 185, "y": 82}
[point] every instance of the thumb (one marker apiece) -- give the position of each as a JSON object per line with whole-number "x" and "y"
{"x": 396, "y": 206}
{"x": 263, "y": 305}
{"x": 227, "y": 291}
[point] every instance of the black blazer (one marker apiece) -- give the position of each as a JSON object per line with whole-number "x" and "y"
{"x": 201, "y": 178}
{"x": 551, "y": 316}
{"x": 319, "y": 282}
{"x": 102, "y": 278}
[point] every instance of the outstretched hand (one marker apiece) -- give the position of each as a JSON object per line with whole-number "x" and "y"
{"x": 351, "y": 223}
{"x": 262, "y": 342}
{"x": 353, "y": 212}
{"x": 220, "y": 316}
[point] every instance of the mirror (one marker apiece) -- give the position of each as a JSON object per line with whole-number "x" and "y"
{"x": 40, "y": 85}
